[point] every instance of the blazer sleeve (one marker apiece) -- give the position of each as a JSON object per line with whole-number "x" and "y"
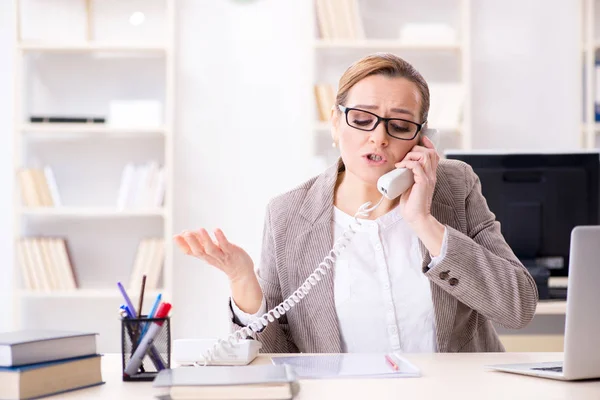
{"x": 275, "y": 337}
{"x": 480, "y": 269}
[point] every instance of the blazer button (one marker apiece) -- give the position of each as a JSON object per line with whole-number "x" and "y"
{"x": 453, "y": 281}
{"x": 444, "y": 275}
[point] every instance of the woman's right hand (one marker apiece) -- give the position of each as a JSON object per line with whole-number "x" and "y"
{"x": 220, "y": 253}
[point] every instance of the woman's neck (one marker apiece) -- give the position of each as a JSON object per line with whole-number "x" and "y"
{"x": 351, "y": 193}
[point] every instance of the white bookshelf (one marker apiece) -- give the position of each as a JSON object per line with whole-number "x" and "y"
{"x": 381, "y": 23}
{"x": 102, "y": 238}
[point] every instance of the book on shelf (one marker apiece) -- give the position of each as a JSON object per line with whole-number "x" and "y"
{"x": 45, "y": 264}
{"x": 325, "y": 99}
{"x": 148, "y": 261}
{"x": 66, "y": 120}
{"x": 447, "y": 101}
{"x": 37, "y": 363}
{"x": 38, "y": 187}
{"x": 339, "y": 19}
{"x": 142, "y": 186}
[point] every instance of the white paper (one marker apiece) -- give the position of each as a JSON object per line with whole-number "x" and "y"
{"x": 348, "y": 365}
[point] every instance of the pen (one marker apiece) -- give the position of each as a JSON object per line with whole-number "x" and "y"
{"x": 152, "y": 312}
{"x": 142, "y": 296}
{"x": 137, "y": 357}
{"x": 127, "y": 300}
{"x": 391, "y": 362}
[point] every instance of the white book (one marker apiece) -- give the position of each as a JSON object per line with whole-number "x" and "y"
{"x": 50, "y": 268}
{"x": 52, "y": 186}
{"x": 127, "y": 178}
{"x": 142, "y": 177}
{"x": 65, "y": 262}
{"x": 24, "y": 266}
{"x": 138, "y": 265}
{"x": 155, "y": 266}
{"x": 159, "y": 190}
{"x": 36, "y": 282}
{"x": 150, "y": 186}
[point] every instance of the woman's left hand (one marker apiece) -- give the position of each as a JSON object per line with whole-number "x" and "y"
{"x": 415, "y": 203}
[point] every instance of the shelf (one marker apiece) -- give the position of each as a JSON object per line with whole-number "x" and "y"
{"x": 83, "y": 293}
{"x": 382, "y": 44}
{"x": 78, "y": 131}
{"x": 89, "y": 212}
{"x": 551, "y": 307}
{"x": 92, "y": 47}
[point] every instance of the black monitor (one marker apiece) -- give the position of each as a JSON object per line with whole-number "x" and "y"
{"x": 538, "y": 198}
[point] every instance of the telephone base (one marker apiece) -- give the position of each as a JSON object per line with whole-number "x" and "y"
{"x": 191, "y": 352}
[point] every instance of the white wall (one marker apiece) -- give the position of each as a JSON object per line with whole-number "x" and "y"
{"x": 244, "y": 120}
{"x": 526, "y": 74}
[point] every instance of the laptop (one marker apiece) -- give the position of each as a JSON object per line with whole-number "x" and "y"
{"x": 582, "y": 325}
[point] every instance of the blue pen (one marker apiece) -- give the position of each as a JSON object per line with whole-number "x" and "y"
{"x": 151, "y": 315}
{"x": 127, "y": 300}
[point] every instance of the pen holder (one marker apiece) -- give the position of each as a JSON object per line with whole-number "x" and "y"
{"x": 145, "y": 347}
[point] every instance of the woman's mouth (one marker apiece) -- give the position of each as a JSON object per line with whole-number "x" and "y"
{"x": 374, "y": 159}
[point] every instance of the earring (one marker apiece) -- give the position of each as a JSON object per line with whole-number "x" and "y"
{"x": 333, "y": 144}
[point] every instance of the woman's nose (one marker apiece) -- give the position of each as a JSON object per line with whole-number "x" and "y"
{"x": 379, "y": 136}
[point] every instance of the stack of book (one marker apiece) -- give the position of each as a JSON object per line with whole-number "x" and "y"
{"x": 148, "y": 261}
{"x": 339, "y": 19}
{"x": 45, "y": 264}
{"x": 41, "y": 363}
{"x": 38, "y": 187}
{"x": 325, "y": 98}
{"x": 142, "y": 186}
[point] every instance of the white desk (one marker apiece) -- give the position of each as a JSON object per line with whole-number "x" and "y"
{"x": 445, "y": 377}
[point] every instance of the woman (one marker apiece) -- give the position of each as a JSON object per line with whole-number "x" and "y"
{"x": 426, "y": 272}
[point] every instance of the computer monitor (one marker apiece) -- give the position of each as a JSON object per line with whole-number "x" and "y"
{"x": 538, "y": 198}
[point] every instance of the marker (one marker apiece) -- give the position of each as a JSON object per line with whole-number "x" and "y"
{"x": 138, "y": 356}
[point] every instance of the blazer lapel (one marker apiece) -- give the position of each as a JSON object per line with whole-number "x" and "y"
{"x": 312, "y": 243}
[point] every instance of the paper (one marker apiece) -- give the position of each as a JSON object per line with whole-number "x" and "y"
{"x": 348, "y": 365}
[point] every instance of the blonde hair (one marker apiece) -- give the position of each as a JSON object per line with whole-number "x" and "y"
{"x": 386, "y": 64}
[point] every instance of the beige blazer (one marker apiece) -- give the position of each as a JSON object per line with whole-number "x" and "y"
{"x": 479, "y": 281}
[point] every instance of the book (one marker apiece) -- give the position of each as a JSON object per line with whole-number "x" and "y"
{"x": 35, "y": 346}
{"x": 220, "y": 382}
{"x": 64, "y": 119}
{"x": 43, "y": 379}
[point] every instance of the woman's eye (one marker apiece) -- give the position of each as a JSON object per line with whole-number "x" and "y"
{"x": 363, "y": 122}
{"x": 399, "y": 127}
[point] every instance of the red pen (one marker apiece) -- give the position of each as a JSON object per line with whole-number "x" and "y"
{"x": 391, "y": 362}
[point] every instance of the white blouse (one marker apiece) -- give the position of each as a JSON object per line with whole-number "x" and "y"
{"x": 382, "y": 298}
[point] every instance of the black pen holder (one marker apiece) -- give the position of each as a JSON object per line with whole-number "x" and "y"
{"x": 155, "y": 357}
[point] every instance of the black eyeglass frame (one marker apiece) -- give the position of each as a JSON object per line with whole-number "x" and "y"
{"x": 346, "y": 110}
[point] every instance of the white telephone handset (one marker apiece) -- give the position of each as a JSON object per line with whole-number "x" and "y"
{"x": 236, "y": 349}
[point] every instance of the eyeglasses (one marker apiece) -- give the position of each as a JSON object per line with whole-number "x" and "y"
{"x": 367, "y": 121}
